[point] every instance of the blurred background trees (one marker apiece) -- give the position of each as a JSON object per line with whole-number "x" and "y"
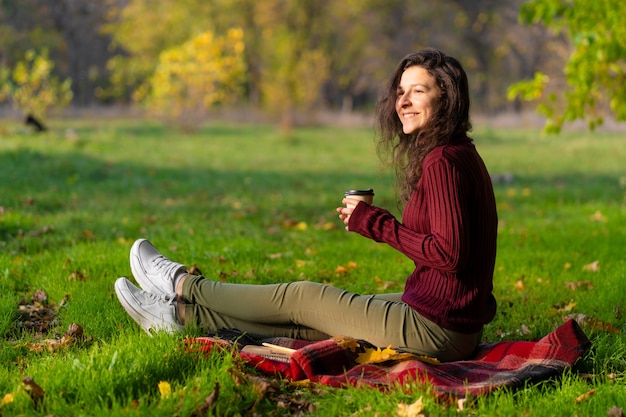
{"x": 299, "y": 58}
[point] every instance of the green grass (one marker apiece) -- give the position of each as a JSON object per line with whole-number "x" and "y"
{"x": 227, "y": 199}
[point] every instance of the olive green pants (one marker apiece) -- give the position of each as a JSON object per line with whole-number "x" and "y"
{"x": 312, "y": 311}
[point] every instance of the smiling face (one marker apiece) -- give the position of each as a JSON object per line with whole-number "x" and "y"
{"x": 416, "y": 100}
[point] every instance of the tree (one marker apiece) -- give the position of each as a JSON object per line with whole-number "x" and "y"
{"x": 32, "y": 88}
{"x": 596, "y": 70}
{"x": 141, "y": 31}
{"x": 190, "y": 79}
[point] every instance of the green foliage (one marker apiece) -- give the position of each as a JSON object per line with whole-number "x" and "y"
{"x": 596, "y": 69}
{"x": 203, "y": 72}
{"x": 32, "y": 88}
{"x": 142, "y": 29}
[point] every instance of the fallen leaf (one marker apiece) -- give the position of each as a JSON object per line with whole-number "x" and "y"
{"x": 525, "y": 329}
{"x": 585, "y": 396}
{"x": 460, "y": 404}
{"x": 7, "y": 399}
{"x": 593, "y": 323}
{"x": 411, "y": 410}
{"x": 88, "y": 234}
{"x": 340, "y": 270}
{"x": 519, "y": 285}
{"x": 565, "y": 307}
{"x": 379, "y": 355}
{"x": 300, "y": 263}
{"x": 209, "y": 402}
{"x": 615, "y": 412}
{"x": 194, "y": 270}
{"x": 597, "y": 217}
{"x": 574, "y": 285}
{"x": 383, "y": 285}
{"x": 35, "y": 392}
{"x": 77, "y": 276}
{"x": 263, "y": 385}
{"x": 592, "y": 267}
{"x": 165, "y": 389}
{"x": 347, "y": 343}
{"x": 301, "y": 226}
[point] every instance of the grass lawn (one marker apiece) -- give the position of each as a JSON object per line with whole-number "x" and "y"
{"x": 246, "y": 204}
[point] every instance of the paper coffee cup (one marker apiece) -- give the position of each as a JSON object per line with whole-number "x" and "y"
{"x": 361, "y": 195}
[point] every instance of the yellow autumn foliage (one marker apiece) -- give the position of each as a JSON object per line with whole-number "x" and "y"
{"x": 206, "y": 71}
{"x": 31, "y": 87}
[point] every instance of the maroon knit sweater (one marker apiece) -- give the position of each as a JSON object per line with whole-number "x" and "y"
{"x": 449, "y": 229}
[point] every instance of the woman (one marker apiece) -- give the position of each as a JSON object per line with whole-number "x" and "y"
{"x": 448, "y": 229}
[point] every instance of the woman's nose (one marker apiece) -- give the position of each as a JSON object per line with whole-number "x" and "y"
{"x": 403, "y": 100}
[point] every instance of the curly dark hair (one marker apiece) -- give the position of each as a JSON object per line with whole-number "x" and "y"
{"x": 449, "y": 123}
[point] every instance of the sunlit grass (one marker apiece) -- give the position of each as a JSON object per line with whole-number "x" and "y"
{"x": 247, "y": 204}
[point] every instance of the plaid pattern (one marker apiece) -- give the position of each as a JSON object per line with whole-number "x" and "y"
{"x": 494, "y": 365}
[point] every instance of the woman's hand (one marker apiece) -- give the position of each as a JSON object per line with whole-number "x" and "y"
{"x": 345, "y": 212}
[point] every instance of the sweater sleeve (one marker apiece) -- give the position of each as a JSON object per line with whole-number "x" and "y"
{"x": 438, "y": 237}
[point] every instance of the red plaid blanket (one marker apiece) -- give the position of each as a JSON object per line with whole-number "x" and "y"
{"x": 334, "y": 362}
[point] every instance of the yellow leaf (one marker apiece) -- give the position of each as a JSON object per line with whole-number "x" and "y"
{"x": 376, "y": 355}
{"x": 411, "y": 410}
{"x": 567, "y": 307}
{"x": 165, "y": 389}
{"x": 301, "y": 226}
{"x": 597, "y": 217}
{"x": 7, "y": 399}
{"x": 301, "y": 263}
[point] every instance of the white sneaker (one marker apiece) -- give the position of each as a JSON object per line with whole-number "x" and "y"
{"x": 150, "y": 311}
{"x": 153, "y": 271}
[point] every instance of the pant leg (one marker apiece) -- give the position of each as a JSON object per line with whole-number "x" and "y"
{"x": 309, "y": 310}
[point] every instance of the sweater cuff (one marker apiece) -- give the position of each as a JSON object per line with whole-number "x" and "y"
{"x": 360, "y": 218}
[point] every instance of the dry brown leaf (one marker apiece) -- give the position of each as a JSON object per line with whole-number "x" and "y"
{"x": 585, "y": 396}
{"x": 35, "y": 392}
{"x": 195, "y": 270}
{"x": 209, "y": 402}
{"x": 574, "y": 285}
{"x": 383, "y": 285}
{"x": 524, "y": 329}
{"x": 411, "y": 410}
{"x": 262, "y": 385}
{"x": 77, "y": 276}
{"x": 592, "y": 267}
{"x": 615, "y": 412}
{"x": 597, "y": 217}
{"x": 347, "y": 343}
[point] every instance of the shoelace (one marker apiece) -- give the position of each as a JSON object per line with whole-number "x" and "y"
{"x": 162, "y": 298}
{"x": 166, "y": 267}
